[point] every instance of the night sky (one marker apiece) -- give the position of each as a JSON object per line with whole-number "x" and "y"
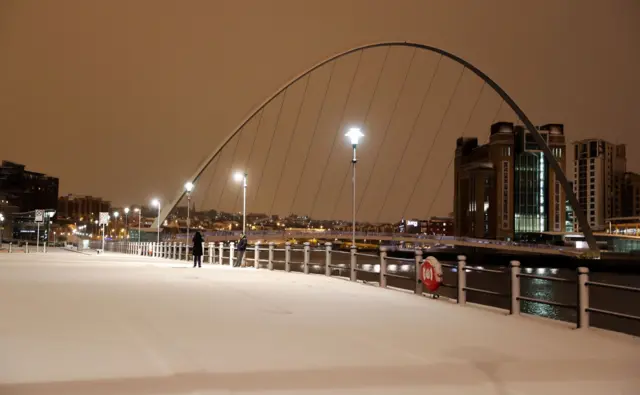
{"x": 123, "y": 99}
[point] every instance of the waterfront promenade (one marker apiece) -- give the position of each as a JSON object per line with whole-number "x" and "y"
{"x": 121, "y": 324}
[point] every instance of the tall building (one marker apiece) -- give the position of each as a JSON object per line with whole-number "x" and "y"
{"x": 81, "y": 208}
{"x": 25, "y": 189}
{"x": 631, "y": 195}
{"x": 505, "y": 187}
{"x": 599, "y": 173}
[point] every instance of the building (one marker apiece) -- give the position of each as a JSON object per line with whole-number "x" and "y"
{"x": 599, "y": 172}
{"x": 25, "y": 189}
{"x": 631, "y": 195}
{"x": 506, "y": 187}
{"x": 81, "y": 208}
{"x": 434, "y": 226}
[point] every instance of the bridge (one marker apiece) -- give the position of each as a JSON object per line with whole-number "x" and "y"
{"x": 282, "y": 236}
{"x": 80, "y": 323}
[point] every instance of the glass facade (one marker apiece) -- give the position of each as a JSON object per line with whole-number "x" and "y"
{"x": 530, "y": 205}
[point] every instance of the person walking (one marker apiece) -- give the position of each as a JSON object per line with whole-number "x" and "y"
{"x": 242, "y": 247}
{"x": 197, "y": 249}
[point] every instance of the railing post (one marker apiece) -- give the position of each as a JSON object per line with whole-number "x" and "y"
{"x": 212, "y": 252}
{"x": 173, "y": 250}
{"x": 256, "y": 255}
{"x": 287, "y": 257}
{"x": 220, "y": 253}
{"x": 179, "y": 250}
{"x": 203, "y": 250}
{"x": 354, "y": 262}
{"x": 271, "y": 247}
{"x": 231, "y": 253}
{"x": 583, "y": 298}
{"x": 383, "y": 267}
{"x": 186, "y": 250}
{"x": 515, "y": 287}
{"x": 10, "y": 247}
{"x": 462, "y": 280}
{"x": 307, "y": 256}
{"x": 26, "y": 247}
{"x": 327, "y": 258}
{"x": 418, "y": 285}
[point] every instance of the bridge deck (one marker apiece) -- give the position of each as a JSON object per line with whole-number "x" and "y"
{"x": 75, "y": 324}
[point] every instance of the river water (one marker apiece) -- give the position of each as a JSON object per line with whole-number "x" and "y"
{"x": 600, "y": 298}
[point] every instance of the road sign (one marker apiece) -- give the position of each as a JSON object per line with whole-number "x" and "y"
{"x": 39, "y": 216}
{"x": 431, "y": 273}
{"x": 104, "y": 218}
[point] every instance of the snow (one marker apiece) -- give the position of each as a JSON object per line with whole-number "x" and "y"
{"x": 77, "y": 324}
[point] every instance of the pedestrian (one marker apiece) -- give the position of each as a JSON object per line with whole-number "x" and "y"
{"x": 197, "y": 249}
{"x": 242, "y": 247}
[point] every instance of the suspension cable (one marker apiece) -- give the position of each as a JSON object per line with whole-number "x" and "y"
{"x": 385, "y": 133}
{"x": 275, "y": 129}
{"x": 364, "y": 123}
{"x": 464, "y": 130}
{"x": 414, "y": 128}
{"x": 255, "y": 136}
{"x": 290, "y": 140}
{"x": 313, "y": 135}
{"x": 335, "y": 137}
{"x": 435, "y": 138}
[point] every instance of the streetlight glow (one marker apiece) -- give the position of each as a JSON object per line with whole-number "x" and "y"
{"x": 238, "y": 176}
{"x": 126, "y": 210}
{"x": 116, "y": 214}
{"x": 354, "y": 134}
{"x": 155, "y": 203}
{"x": 188, "y": 186}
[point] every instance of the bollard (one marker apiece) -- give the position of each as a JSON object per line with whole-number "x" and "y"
{"x": 383, "y": 267}
{"x": 232, "y": 247}
{"x": 583, "y": 298}
{"x": 10, "y": 247}
{"x": 515, "y": 287}
{"x": 354, "y": 262}
{"x": 327, "y": 258}
{"x": 212, "y": 252}
{"x": 462, "y": 280}
{"x": 287, "y": 257}
{"x": 307, "y": 255}
{"x": 26, "y": 247}
{"x": 220, "y": 253}
{"x": 271, "y": 247}
{"x": 256, "y": 255}
{"x": 418, "y": 284}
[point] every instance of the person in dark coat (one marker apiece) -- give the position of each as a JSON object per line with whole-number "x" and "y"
{"x": 197, "y": 249}
{"x": 242, "y": 247}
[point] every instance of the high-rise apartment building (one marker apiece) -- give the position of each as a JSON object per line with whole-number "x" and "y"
{"x": 599, "y": 177}
{"x": 506, "y": 187}
{"x": 81, "y": 208}
{"x": 25, "y": 189}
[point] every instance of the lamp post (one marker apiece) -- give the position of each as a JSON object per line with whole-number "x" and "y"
{"x": 126, "y": 221}
{"x": 242, "y": 177}
{"x": 139, "y": 211}
{"x": 1, "y": 229}
{"x": 354, "y": 134}
{"x": 188, "y": 187}
{"x": 115, "y": 225}
{"x": 156, "y": 203}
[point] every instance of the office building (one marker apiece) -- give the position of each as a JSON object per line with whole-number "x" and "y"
{"x": 599, "y": 172}
{"x": 81, "y": 208}
{"x": 506, "y": 187}
{"x": 631, "y": 195}
{"x": 25, "y": 189}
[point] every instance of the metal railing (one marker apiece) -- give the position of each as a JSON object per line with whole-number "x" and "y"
{"x": 224, "y": 254}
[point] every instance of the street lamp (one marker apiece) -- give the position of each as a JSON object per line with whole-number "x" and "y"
{"x": 1, "y": 228}
{"x": 188, "y": 187}
{"x": 116, "y": 215}
{"x": 156, "y": 203}
{"x": 139, "y": 211}
{"x": 126, "y": 221}
{"x": 354, "y": 134}
{"x": 242, "y": 177}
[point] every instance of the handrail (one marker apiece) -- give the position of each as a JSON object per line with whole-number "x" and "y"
{"x": 612, "y": 286}
{"x": 548, "y": 278}
{"x": 548, "y": 302}
{"x": 478, "y": 269}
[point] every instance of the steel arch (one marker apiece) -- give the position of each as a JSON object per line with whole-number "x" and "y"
{"x": 584, "y": 224}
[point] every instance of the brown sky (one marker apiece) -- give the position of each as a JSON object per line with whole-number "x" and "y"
{"x": 122, "y": 99}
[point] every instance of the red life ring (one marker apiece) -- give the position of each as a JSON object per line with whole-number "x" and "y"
{"x": 431, "y": 273}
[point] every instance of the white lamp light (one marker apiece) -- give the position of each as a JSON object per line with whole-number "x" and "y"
{"x": 354, "y": 134}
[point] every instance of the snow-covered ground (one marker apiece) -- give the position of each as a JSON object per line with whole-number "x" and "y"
{"x": 74, "y": 324}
